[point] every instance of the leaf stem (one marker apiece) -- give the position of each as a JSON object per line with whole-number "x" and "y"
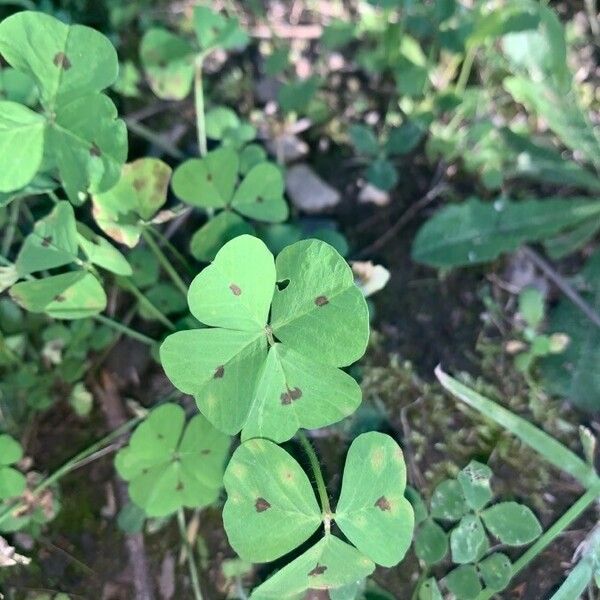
{"x": 550, "y": 534}
{"x": 319, "y": 480}
{"x": 465, "y": 70}
{"x": 199, "y": 100}
{"x": 9, "y": 234}
{"x": 158, "y": 140}
{"x": 136, "y": 335}
{"x": 190, "y": 555}
{"x": 164, "y": 261}
{"x": 141, "y": 297}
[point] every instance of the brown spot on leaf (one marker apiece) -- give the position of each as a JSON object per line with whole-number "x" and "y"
{"x": 261, "y": 505}
{"x": 59, "y": 298}
{"x": 47, "y": 241}
{"x": 160, "y": 436}
{"x": 138, "y": 184}
{"x": 144, "y": 471}
{"x": 61, "y": 60}
{"x": 290, "y": 395}
{"x": 219, "y": 372}
{"x": 205, "y": 451}
{"x": 318, "y": 570}
{"x": 383, "y": 504}
{"x": 317, "y": 595}
{"x": 94, "y": 150}
{"x": 321, "y": 300}
{"x": 236, "y": 290}
{"x": 259, "y": 199}
{"x": 180, "y": 486}
{"x": 209, "y": 177}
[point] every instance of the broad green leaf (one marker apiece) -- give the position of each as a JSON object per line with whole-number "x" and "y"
{"x": 169, "y": 466}
{"x": 40, "y": 184}
{"x": 514, "y": 16}
{"x": 260, "y": 194}
{"x": 474, "y": 480}
{"x": 234, "y": 380}
{"x": 574, "y": 586}
{"x": 271, "y": 507}
{"x": 328, "y": 395}
{"x": 320, "y": 312}
{"x": 448, "y": 501}
{"x": 572, "y": 240}
{"x": 466, "y": 539}
{"x": 73, "y": 295}
{"x": 214, "y": 234}
{"x": 512, "y": 523}
{"x": 17, "y": 87}
{"x": 21, "y": 139}
{"x": 496, "y": 571}
{"x": 67, "y": 61}
{"x": 404, "y": 139}
{"x": 328, "y": 565}
{"x": 52, "y": 243}
{"x": 10, "y": 450}
{"x": 364, "y": 140}
{"x": 101, "y": 253}
{"x": 139, "y": 193}
{"x": 431, "y": 542}
{"x": 475, "y": 232}
{"x": 250, "y": 156}
{"x": 295, "y": 96}
{"x": 464, "y": 582}
{"x": 12, "y": 482}
{"x": 213, "y": 30}
{"x": 372, "y": 511}
{"x": 553, "y": 451}
{"x": 168, "y": 62}
{"x": 222, "y": 123}
{"x": 207, "y": 182}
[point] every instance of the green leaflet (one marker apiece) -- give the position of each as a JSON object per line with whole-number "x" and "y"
{"x": 372, "y": 511}
{"x": 431, "y": 542}
{"x": 466, "y": 539}
{"x": 12, "y": 482}
{"x": 328, "y": 565}
{"x": 464, "y": 582}
{"x": 496, "y": 571}
{"x": 139, "y": 194}
{"x": 271, "y": 507}
{"x": 169, "y": 465}
{"x": 475, "y": 232}
{"x": 236, "y": 382}
{"x": 100, "y": 252}
{"x": 512, "y": 523}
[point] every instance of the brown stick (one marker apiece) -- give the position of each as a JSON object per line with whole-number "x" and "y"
{"x": 112, "y": 406}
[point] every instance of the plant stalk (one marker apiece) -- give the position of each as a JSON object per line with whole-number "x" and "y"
{"x": 9, "y": 234}
{"x": 164, "y": 261}
{"x": 465, "y": 70}
{"x": 136, "y": 335}
{"x": 199, "y": 101}
{"x": 140, "y": 296}
{"x": 319, "y": 480}
{"x": 190, "y": 555}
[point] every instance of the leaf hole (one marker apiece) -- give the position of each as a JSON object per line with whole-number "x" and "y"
{"x": 281, "y": 285}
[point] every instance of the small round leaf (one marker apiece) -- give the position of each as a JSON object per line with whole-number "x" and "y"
{"x": 448, "y": 501}
{"x": 496, "y": 571}
{"x": 512, "y": 523}
{"x": 431, "y": 542}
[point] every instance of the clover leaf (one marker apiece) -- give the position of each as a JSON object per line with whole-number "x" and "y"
{"x": 212, "y": 183}
{"x": 271, "y": 377}
{"x": 78, "y": 134}
{"x": 12, "y": 482}
{"x": 169, "y": 465}
{"x": 140, "y": 192}
{"x": 271, "y": 509}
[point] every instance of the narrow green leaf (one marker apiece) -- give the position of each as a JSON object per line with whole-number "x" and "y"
{"x": 101, "y": 253}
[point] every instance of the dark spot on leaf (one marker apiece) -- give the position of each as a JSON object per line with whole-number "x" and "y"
{"x": 261, "y": 505}
{"x": 46, "y": 241}
{"x": 59, "y": 298}
{"x": 180, "y": 486}
{"x": 290, "y": 395}
{"x": 383, "y": 504}
{"x": 317, "y": 595}
{"x": 281, "y": 285}
{"x": 321, "y": 300}
{"x": 138, "y": 184}
{"x": 160, "y": 436}
{"x": 219, "y": 372}
{"x": 205, "y": 451}
{"x": 209, "y": 177}
{"x": 235, "y": 289}
{"x": 61, "y": 60}
{"x": 144, "y": 471}
{"x": 318, "y": 570}
{"x": 94, "y": 150}
{"x": 259, "y": 199}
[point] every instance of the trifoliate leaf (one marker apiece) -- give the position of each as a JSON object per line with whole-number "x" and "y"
{"x": 271, "y": 507}
{"x": 328, "y": 565}
{"x": 228, "y": 370}
{"x": 512, "y": 523}
{"x": 168, "y": 60}
{"x": 372, "y": 511}
{"x": 21, "y": 139}
{"x": 73, "y": 295}
{"x": 139, "y": 193}
{"x": 260, "y": 195}
{"x": 474, "y": 480}
{"x": 464, "y": 582}
{"x": 448, "y": 501}
{"x": 170, "y": 465}
{"x": 52, "y": 243}
{"x": 207, "y": 182}
{"x": 496, "y": 571}
{"x": 214, "y": 234}
{"x": 466, "y": 539}
{"x": 213, "y": 30}
{"x": 12, "y": 482}
{"x": 431, "y": 542}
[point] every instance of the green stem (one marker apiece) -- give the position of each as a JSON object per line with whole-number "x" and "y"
{"x": 318, "y": 474}
{"x": 152, "y": 308}
{"x": 158, "y": 140}
{"x": 11, "y": 228}
{"x": 136, "y": 335}
{"x": 465, "y": 71}
{"x": 164, "y": 261}
{"x": 199, "y": 100}
{"x": 72, "y": 464}
{"x": 164, "y": 241}
{"x": 190, "y": 555}
{"x": 551, "y": 534}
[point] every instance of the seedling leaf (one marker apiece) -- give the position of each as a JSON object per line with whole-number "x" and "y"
{"x": 448, "y": 501}
{"x": 466, "y": 539}
{"x": 512, "y": 523}
{"x": 474, "y": 480}
{"x": 12, "y": 482}
{"x": 464, "y": 582}
{"x": 496, "y": 571}
{"x": 431, "y": 542}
